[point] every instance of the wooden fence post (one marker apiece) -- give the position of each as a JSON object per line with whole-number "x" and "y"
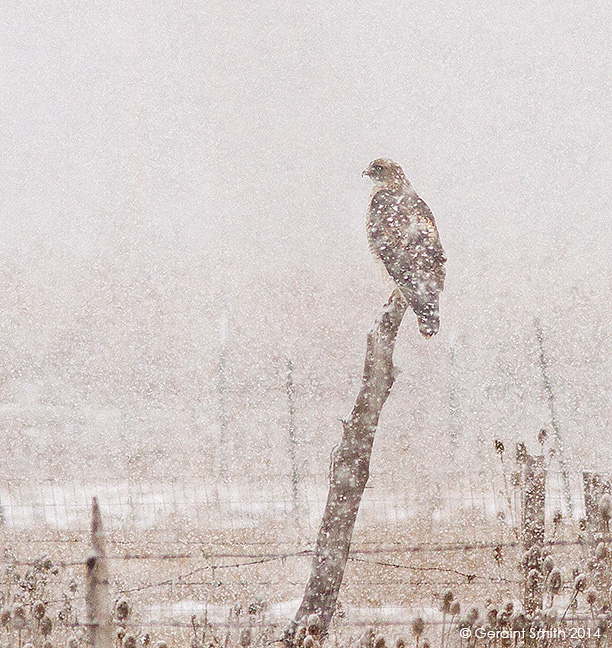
{"x": 97, "y": 598}
{"x": 533, "y": 523}
{"x": 596, "y": 486}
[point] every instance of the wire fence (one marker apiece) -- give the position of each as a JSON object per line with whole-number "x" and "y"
{"x": 211, "y": 504}
{"x": 183, "y": 548}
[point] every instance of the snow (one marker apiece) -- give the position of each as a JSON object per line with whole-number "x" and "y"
{"x": 183, "y": 214}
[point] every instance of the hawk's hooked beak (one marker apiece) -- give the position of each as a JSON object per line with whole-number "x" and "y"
{"x": 365, "y": 172}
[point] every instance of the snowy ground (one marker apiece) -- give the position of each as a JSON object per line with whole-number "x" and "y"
{"x": 150, "y": 504}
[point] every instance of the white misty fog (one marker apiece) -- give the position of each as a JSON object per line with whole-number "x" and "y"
{"x": 183, "y": 216}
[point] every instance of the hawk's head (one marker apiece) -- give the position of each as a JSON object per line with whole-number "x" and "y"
{"x": 386, "y": 173}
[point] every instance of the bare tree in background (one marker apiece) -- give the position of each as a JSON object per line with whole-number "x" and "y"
{"x": 350, "y": 469}
{"x": 544, "y": 366}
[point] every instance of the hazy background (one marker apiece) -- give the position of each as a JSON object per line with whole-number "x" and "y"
{"x": 168, "y": 165}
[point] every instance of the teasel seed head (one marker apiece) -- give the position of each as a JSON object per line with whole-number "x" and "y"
{"x": 602, "y": 624}
{"x": 314, "y": 625}
{"x": 245, "y": 636}
{"x": 580, "y": 582}
{"x": 367, "y": 638}
{"x": 418, "y": 625}
{"x": 548, "y": 565}
{"x": 519, "y": 622}
{"x": 46, "y": 626}
{"x": 19, "y": 616}
{"x": 521, "y": 453}
{"x": 122, "y": 609}
{"x": 533, "y": 578}
{"x": 555, "y": 581}
{"x": 492, "y": 616}
{"x": 380, "y": 642}
{"x": 38, "y": 610}
{"x": 601, "y": 553}
{"x": 447, "y": 599}
{"x": 472, "y": 615}
{"x": 298, "y": 641}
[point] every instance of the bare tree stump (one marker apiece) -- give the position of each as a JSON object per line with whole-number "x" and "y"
{"x": 350, "y": 469}
{"x": 97, "y": 598}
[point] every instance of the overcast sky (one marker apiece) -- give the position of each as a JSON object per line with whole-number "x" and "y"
{"x": 215, "y": 149}
{"x": 253, "y": 120}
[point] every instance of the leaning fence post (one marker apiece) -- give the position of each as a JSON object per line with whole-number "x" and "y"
{"x": 533, "y": 521}
{"x": 597, "y": 506}
{"x": 594, "y": 486}
{"x": 97, "y": 598}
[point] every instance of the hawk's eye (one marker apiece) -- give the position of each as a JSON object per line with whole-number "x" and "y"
{"x": 377, "y": 168}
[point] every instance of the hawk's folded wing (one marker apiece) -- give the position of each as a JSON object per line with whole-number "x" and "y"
{"x": 403, "y": 234}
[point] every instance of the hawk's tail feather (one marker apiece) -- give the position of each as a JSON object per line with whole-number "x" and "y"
{"x": 427, "y": 312}
{"x": 428, "y": 316}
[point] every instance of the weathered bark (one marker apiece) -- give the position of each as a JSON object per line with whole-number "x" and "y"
{"x": 97, "y": 598}
{"x": 350, "y": 468}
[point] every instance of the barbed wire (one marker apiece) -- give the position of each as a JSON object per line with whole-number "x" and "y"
{"x": 256, "y": 558}
{"x": 469, "y": 577}
{"x": 180, "y": 579}
{"x": 258, "y": 622}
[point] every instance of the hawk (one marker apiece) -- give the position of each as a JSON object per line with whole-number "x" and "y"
{"x": 403, "y": 235}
